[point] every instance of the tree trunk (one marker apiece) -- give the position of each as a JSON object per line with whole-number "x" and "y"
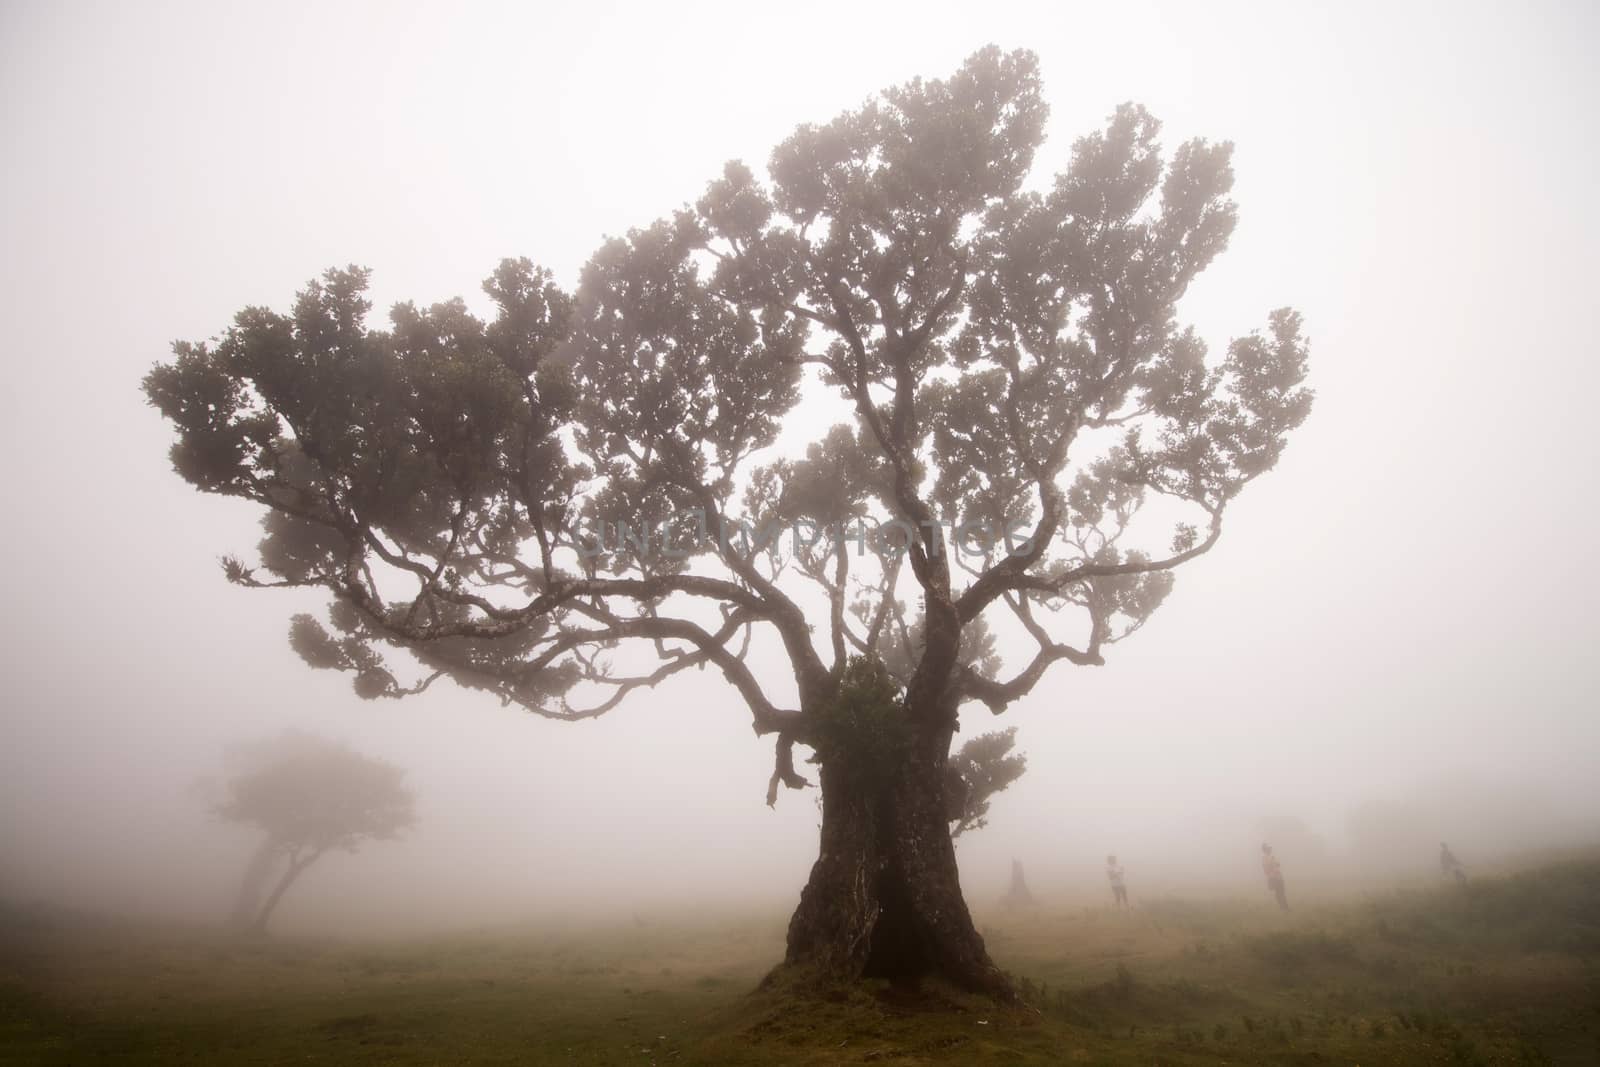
{"x": 296, "y": 865}
{"x": 247, "y": 904}
{"x": 884, "y": 897}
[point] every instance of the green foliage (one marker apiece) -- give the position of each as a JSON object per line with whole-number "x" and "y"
{"x": 1553, "y": 910}
{"x": 441, "y": 429}
{"x": 1295, "y": 950}
{"x": 863, "y": 733}
{"x": 986, "y": 766}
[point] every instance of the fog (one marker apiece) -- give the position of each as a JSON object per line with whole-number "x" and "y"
{"x": 1391, "y": 646}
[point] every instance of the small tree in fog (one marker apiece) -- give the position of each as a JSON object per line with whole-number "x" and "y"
{"x": 1024, "y": 440}
{"x": 307, "y": 796}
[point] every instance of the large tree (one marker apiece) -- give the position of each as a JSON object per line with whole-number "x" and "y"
{"x": 306, "y": 796}
{"x": 1028, "y": 444}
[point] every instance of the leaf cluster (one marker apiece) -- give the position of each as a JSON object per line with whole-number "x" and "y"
{"x": 985, "y": 766}
{"x": 863, "y": 733}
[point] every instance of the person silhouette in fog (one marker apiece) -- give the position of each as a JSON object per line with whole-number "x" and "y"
{"x": 1449, "y": 866}
{"x": 1119, "y": 882}
{"x": 1274, "y": 872}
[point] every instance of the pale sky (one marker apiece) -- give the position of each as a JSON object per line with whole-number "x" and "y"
{"x": 1404, "y": 608}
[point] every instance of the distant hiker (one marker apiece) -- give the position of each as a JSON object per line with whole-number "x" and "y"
{"x": 1449, "y": 866}
{"x": 1274, "y": 872}
{"x": 1119, "y": 881}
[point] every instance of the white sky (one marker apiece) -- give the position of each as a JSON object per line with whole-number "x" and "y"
{"x": 1406, "y": 604}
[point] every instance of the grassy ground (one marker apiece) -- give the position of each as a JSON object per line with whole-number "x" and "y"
{"x": 1504, "y": 971}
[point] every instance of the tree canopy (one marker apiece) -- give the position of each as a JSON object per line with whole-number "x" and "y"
{"x": 1018, "y": 384}
{"x": 313, "y": 795}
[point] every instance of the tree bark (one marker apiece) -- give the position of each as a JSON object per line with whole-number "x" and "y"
{"x": 884, "y": 897}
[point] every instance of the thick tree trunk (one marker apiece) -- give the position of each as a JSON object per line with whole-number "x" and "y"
{"x": 884, "y": 898}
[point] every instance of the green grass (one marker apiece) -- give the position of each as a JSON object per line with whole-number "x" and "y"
{"x": 1500, "y": 972}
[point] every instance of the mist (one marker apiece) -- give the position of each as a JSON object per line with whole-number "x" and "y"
{"x": 1390, "y": 648}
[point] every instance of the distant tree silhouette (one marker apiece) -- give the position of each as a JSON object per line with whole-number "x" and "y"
{"x": 307, "y": 796}
{"x": 1017, "y": 894}
{"x": 503, "y": 503}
